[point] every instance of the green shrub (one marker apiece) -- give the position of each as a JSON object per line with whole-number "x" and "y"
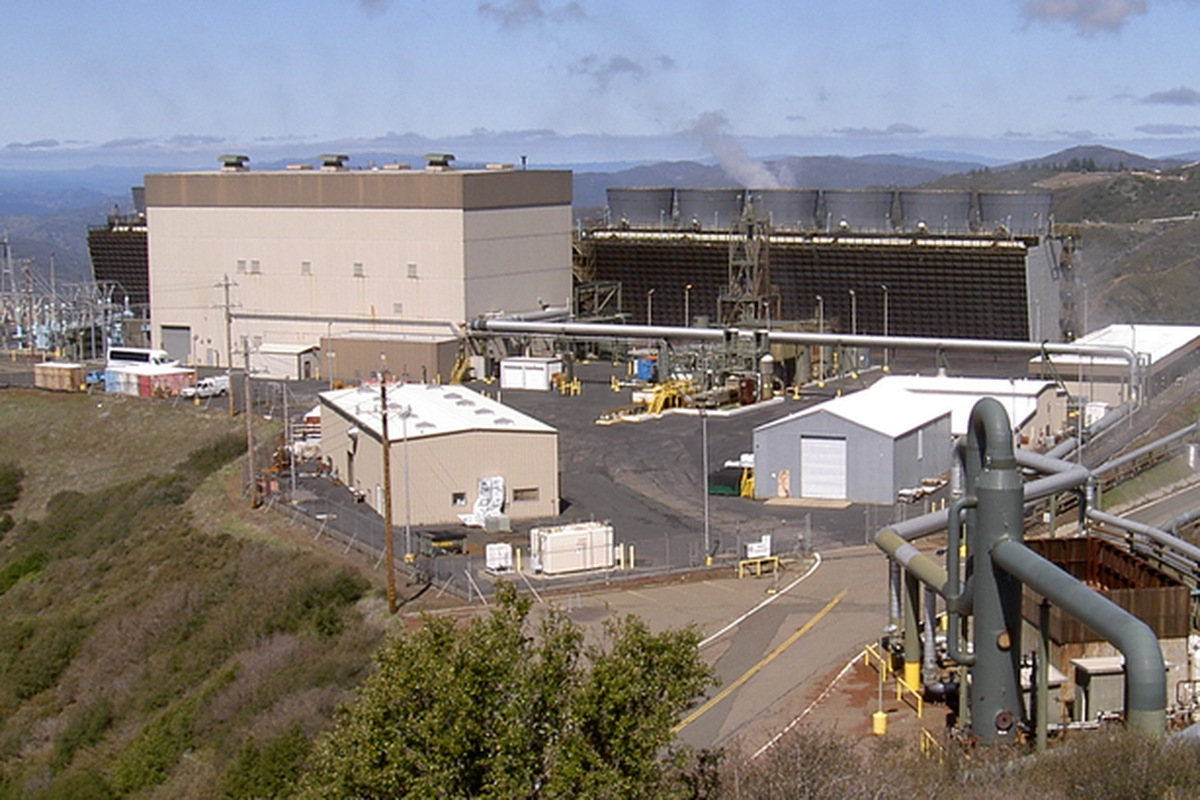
{"x": 24, "y": 565}
{"x": 268, "y": 771}
{"x": 11, "y": 479}
{"x": 84, "y": 727}
{"x": 150, "y": 757}
{"x": 84, "y": 785}
{"x": 39, "y": 663}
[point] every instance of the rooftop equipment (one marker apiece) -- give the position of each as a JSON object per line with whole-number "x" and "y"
{"x": 858, "y": 210}
{"x": 709, "y": 209}
{"x": 234, "y": 163}
{"x": 935, "y": 212}
{"x": 1016, "y": 213}
{"x": 642, "y": 208}
{"x": 786, "y": 209}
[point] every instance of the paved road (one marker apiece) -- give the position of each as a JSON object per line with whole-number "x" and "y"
{"x": 768, "y": 673}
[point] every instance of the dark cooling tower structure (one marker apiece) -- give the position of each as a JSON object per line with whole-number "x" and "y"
{"x": 786, "y": 209}
{"x": 858, "y": 210}
{"x": 709, "y": 209}
{"x": 1018, "y": 213}
{"x": 642, "y": 208}
{"x": 935, "y": 212}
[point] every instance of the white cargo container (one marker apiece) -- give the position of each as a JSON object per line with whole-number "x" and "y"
{"x": 571, "y": 548}
{"x": 528, "y": 372}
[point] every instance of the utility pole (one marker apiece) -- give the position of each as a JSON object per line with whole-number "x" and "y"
{"x": 226, "y": 284}
{"x": 255, "y": 500}
{"x": 389, "y": 549}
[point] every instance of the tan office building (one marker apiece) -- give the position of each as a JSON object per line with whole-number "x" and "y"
{"x": 310, "y": 253}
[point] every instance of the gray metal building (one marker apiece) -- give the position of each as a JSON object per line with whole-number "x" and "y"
{"x": 852, "y": 449}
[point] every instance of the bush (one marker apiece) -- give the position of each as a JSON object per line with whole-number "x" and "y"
{"x": 153, "y": 753}
{"x": 269, "y": 771}
{"x": 84, "y": 727}
{"x": 11, "y": 479}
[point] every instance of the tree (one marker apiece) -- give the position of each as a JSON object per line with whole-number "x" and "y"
{"x": 485, "y": 710}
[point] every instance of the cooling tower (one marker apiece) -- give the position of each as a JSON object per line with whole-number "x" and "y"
{"x": 786, "y": 209}
{"x": 642, "y": 208}
{"x": 860, "y": 210}
{"x": 935, "y": 212}
{"x": 709, "y": 209}
{"x": 1020, "y": 213}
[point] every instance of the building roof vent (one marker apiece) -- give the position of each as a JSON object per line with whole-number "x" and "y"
{"x": 438, "y": 161}
{"x": 234, "y": 163}
{"x": 333, "y": 161}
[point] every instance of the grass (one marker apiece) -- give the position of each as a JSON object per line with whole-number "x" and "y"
{"x": 156, "y": 634}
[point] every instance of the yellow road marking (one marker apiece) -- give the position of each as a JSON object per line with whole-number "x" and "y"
{"x": 767, "y": 659}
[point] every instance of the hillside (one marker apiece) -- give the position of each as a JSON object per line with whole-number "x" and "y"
{"x": 157, "y": 637}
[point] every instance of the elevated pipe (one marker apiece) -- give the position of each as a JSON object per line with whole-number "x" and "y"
{"x": 1145, "y": 672}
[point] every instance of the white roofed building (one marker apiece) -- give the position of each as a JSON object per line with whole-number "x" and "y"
{"x": 1165, "y": 353}
{"x": 867, "y": 446}
{"x": 454, "y": 438}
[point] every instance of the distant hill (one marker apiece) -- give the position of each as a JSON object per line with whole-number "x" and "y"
{"x": 1094, "y": 157}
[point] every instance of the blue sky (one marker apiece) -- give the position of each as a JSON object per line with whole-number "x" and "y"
{"x": 148, "y": 81}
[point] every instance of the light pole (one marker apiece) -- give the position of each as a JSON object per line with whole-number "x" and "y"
{"x": 687, "y": 308}
{"x": 650, "y": 307}
{"x": 884, "y": 286}
{"x": 854, "y": 327}
{"x": 704, "y": 484}
{"x": 821, "y": 347}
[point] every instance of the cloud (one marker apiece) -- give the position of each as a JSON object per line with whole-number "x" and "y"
{"x": 126, "y": 144}
{"x": 604, "y": 72}
{"x": 1082, "y": 135}
{"x": 1087, "y": 17}
{"x": 194, "y": 140}
{"x": 1179, "y": 96}
{"x": 1017, "y": 135}
{"x": 373, "y": 8}
{"x": 39, "y": 144}
{"x": 895, "y": 129}
{"x": 1167, "y": 129}
{"x": 514, "y": 13}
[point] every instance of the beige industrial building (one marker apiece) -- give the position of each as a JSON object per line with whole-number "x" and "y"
{"x": 451, "y": 439}
{"x": 301, "y": 254}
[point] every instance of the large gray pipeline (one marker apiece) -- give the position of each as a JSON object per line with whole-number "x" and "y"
{"x": 1145, "y": 673}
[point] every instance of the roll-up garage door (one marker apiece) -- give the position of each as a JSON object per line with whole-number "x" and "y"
{"x": 823, "y": 468}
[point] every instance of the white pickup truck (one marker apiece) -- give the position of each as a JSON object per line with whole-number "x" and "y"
{"x": 212, "y": 386}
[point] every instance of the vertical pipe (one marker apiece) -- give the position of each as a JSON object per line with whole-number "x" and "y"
{"x": 912, "y": 632}
{"x": 992, "y": 478}
{"x": 1042, "y": 699}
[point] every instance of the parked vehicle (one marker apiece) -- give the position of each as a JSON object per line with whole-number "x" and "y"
{"x": 212, "y": 386}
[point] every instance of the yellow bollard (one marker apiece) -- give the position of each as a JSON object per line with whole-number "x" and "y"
{"x": 912, "y": 674}
{"x": 879, "y": 723}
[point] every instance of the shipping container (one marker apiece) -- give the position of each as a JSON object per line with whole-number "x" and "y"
{"x": 571, "y": 548}
{"x": 148, "y": 381}
{"x": 58, "y": 376}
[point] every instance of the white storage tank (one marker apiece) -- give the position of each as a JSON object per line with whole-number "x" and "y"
{"x": 577, "y": 547}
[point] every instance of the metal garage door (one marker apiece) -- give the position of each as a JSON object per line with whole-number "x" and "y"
{"x": 177, "y": 341}
{"x": 823, "y": 468}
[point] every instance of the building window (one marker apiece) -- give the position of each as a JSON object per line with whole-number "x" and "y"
{"x": 306, "y": 268}
{"x": 255, "y": 267}
{"x": 241, "y": 266}
{"x": 412, "y": 269}
{"x": 359, "y": 270}
{"x": 256, "y": 341}
{"x": 458, "y": 499}
{"x": 520, "y": 495}
{"x": 397, "y": 308}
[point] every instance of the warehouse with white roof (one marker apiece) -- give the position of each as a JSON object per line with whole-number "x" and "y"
{"x": 867, "y": 446}
{"x": 454, "y": 442}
